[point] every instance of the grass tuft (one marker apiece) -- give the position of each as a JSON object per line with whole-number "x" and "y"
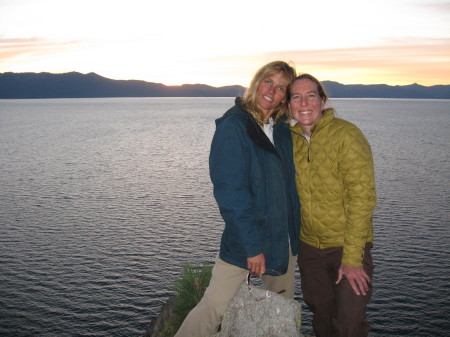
{"x": 190, "y": 289}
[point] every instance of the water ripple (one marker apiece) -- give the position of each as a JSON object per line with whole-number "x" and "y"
{"x": 103, "y": 200}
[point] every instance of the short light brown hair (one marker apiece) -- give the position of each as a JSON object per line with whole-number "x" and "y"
{"x": 320, "y": 88}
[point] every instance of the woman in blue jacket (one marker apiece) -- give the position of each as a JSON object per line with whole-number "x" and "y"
{"x": 252, "y": 172}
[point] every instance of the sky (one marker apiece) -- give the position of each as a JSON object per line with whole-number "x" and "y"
{"x": 395, "y": 42}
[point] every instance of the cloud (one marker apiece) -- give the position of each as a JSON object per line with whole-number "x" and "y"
{"x": 439, "y": 6}
{"x": 395, "y": 61}
{"x": 373, "y": 57}
{"x": 17, "y": 50}
{"x": 400, "y": 62}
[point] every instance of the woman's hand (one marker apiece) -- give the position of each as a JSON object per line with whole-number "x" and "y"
{"x": 356, "y": 276}
{"x": 257, "y": 264}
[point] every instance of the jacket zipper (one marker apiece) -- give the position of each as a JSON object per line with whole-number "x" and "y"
{"x": 309, "y": 161}
{"x": 308, "y": 141}
{"x": 288, "y": 188}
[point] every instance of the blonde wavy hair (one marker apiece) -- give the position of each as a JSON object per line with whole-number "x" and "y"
{"x": 249, "y": 99}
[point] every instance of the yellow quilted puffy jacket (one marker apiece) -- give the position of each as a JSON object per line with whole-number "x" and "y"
{"x": 336, "y": 185}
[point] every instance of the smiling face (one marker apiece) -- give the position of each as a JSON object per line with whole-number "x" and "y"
{"x": 305, "y": 104}
{"x": 270, "y": 93}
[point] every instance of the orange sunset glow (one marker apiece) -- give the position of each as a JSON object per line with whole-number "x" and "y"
{"x": 350, "y": 42}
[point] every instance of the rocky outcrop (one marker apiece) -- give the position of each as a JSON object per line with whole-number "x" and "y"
{"x": 256, "y": 312}
{"x": 158, "y": 323}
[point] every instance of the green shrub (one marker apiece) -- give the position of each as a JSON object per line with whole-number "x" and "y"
{"x": 190, "y": 289}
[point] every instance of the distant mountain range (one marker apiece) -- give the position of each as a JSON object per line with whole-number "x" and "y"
{"x": 77, "y": 85}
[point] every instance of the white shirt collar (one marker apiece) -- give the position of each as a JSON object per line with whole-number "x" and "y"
{"x": 268, "y": 129}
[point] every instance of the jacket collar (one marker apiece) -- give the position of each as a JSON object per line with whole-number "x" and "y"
{"x": 327, "y": 117}
{"x": 254, "y": 130}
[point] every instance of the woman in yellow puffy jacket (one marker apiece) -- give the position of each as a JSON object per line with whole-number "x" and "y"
{"x": 336, "y": 186}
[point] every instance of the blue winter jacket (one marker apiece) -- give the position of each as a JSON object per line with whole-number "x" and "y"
{"x": 254, "y": 186}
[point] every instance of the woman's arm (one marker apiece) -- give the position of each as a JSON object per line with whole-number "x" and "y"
{"x": 356, "y": 167}
{"x": 230, "y": 164}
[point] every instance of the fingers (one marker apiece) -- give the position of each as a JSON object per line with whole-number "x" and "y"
{"x": 340, "y": 273}
{"x": 263, "y": 268}
{"x": 255, "y": 268}
{"x": 354, "y": 286}
{"x": 366, "y": 277}
{"x": 363, "y": 281}
{"x": 357, "y": 278}
{"x": 257, "y": 264}
{"x": 359, "y": 286}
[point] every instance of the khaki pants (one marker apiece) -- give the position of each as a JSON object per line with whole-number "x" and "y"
{"x": 338, "y": 311}
{"x": 204, "y": 320}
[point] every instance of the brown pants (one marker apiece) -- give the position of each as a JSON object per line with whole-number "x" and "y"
{"x": 337, "y": 310}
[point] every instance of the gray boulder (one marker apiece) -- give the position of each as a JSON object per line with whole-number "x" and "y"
{"x": 256, "y": 312}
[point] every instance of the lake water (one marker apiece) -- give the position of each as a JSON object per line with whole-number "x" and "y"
{"x": 103, "y": 200}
